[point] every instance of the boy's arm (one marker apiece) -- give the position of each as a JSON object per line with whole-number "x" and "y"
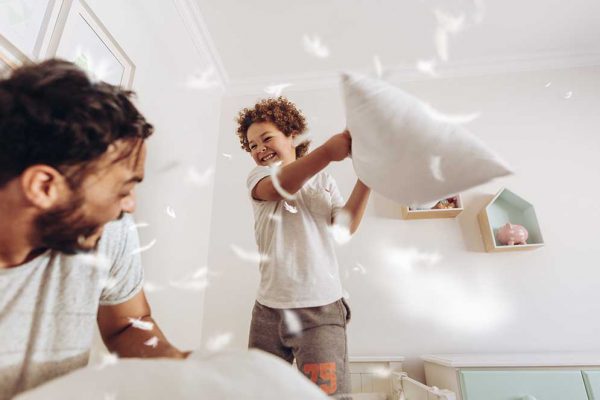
{"x": 293, "y": 176}
{"x": 356, "y": 204}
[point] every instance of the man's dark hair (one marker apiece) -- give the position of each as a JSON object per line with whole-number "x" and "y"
{"x": 51, "y": 113}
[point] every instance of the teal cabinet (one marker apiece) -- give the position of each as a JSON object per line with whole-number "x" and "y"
{"x": 523, "y": 385}
{"x": 516, "y": 376}
{"x": 592, "y": 383}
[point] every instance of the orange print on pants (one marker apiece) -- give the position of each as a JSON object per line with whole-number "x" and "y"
{"x": 325, "y": 372}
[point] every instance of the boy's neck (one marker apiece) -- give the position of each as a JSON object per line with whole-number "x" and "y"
{"x": 288, "y": 161}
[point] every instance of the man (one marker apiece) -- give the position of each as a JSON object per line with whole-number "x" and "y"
{"x": 71, "y": 153}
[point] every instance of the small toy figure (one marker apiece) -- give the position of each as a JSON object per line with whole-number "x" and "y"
{"x": 450, "y": 202}
{"x": 512, "y": 234}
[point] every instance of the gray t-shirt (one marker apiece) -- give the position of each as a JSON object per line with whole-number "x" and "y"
{"x": 299, "y": 267}
{"x": 48, "y": 307}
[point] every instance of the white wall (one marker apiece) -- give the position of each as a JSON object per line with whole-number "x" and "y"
{"x": 467, "y": 301}
{"x": 186, "y": 124}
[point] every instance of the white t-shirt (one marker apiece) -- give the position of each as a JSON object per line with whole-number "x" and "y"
{"x": 299, "y": 267}
{"x": 48, "y": 307}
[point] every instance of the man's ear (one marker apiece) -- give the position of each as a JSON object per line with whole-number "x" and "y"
{"x": 43, "y": 185}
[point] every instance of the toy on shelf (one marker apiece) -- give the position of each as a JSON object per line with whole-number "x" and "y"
{"x": 512, "y": 234}
{"x": 508, "y": 222}
{"x": 445, "y": 204}
{"x": 449, "y": 207}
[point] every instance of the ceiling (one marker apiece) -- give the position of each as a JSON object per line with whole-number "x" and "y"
{"x": 263, "y": 40}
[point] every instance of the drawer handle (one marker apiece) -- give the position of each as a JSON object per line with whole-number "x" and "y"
{"x": 528, "y": 397}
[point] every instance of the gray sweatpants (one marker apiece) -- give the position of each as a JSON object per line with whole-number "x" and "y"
{"x": 314, "y": 336}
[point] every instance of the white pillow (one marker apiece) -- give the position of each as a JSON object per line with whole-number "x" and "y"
{"x": 404, "y": 151}
{"x": 228, "y": 376}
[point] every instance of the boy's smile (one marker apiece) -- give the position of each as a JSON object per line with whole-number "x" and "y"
{"x": 270, "y": 156}
{"x": 268, "y": 144}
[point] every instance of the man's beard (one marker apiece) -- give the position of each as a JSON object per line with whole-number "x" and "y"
{"x": 65, "y": 229}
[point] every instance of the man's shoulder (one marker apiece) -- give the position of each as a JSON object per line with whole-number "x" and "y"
{"x": 115, "y": 232}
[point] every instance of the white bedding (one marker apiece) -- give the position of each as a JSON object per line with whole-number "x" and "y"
{"x": 237, "y": 375}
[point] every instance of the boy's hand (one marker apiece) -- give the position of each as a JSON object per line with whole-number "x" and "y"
{"x": 338, "y": 146}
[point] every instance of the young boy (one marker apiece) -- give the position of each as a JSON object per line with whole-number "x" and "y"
{"x": 299, "y": 312}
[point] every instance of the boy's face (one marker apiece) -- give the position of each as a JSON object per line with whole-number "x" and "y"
{"x": 268, "y": 144}
{"x": 104, "y": 195}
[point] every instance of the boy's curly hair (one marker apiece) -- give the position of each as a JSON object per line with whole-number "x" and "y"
{"x": 281, "y": 112}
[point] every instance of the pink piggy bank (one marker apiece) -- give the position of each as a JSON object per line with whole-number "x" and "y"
{"x": 512, "y": 234}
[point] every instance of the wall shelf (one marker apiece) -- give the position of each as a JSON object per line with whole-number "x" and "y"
{"x": 505, "y": 207}
{"x": 408, "y": 213}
